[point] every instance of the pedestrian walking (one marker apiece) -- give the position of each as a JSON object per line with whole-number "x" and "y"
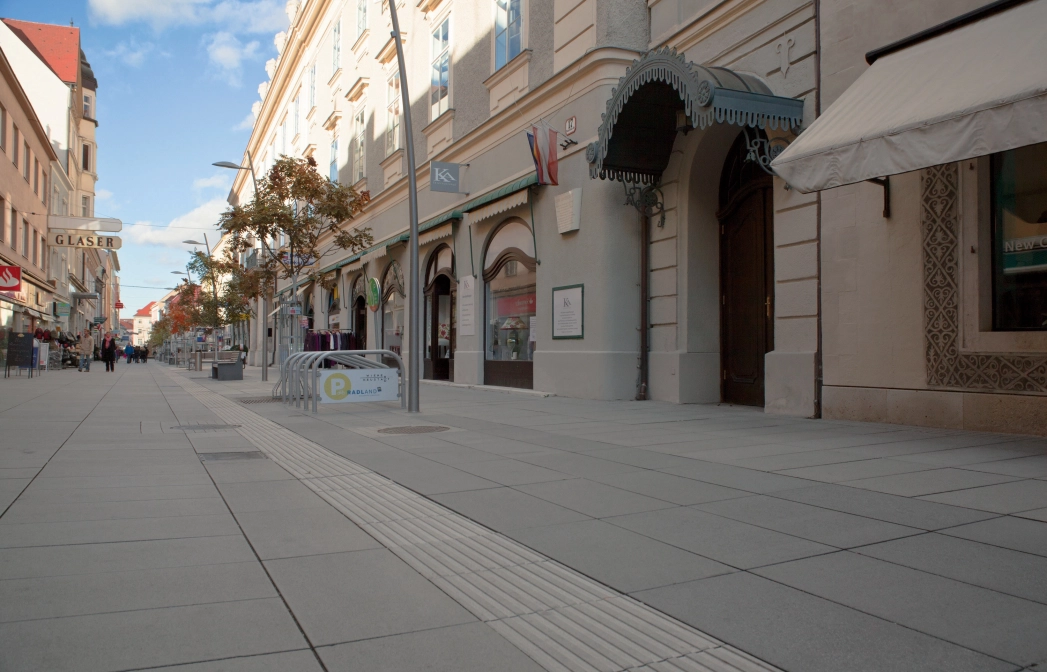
{"x": 108, "y": 353}
{"x": 145, "y": 354}
{"x": 129, "y": 352}
{"x": 86, "y": 350}
{"x": 243, "y": 356}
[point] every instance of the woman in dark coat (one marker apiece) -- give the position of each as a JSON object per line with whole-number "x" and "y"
{"x": 108, "y": 349}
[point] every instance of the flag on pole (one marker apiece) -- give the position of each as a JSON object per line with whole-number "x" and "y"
{"x": 542, "y": 139}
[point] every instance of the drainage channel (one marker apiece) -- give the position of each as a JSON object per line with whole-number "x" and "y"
{"x": 561, "y": 619}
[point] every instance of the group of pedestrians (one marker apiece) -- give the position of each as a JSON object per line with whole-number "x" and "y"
{"x": 107, "y": 351}
{"x": 138, "y": 354}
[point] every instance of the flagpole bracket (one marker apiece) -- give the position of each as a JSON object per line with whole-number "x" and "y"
{"x": 647, "y": 199}
{"x": 567, "y": 143}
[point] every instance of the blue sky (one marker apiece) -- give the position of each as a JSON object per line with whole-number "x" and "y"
{"x": 176, "y": 80}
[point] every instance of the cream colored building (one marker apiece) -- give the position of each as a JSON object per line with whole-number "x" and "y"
{"x": 719, "y": 289}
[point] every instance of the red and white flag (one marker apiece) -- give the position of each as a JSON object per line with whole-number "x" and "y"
{"x": 542, "y": 139}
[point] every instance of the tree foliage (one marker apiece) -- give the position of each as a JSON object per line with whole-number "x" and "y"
{"x": 298, "y": 217}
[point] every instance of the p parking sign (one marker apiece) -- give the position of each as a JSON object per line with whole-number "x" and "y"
{"x": 352, "y": 385}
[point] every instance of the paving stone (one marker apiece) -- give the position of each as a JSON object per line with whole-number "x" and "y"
{"x": 624, "y": 560}
{"x": 741, "y": 478}
{"x": 847, "y": 471}
{"x": 38, "y": 511}
{"x": 582, "y": 466}
{"x": 842, "y": 530}
{"x": 270, "y": 496}
{"x": 730, "y": 542}
{"x": 10, "y": 489}
{"x": 298, "y": 532}
{"x": 16, "y": 563}
{"x": 125, "y": 494}
{"x": 99, "y": 531}
{"x": 1022, "y": 467}
{"x": 81, "y": 594}
{"x": 507, "y": 509}
{"x": 670, "y": 488}
{"x": 246, "y": 471}
{"x": 798, "y": 631}
{"x": 292, "y": 661}
{"x": 593, "y": 499}
{"x": 929, "y": 482}
{"x": 973, "y": 455}
{"x": 512, "y": 472}
{"x": 344, "y": 597}
{"x": 174, "y": 635}
{"x": 1038, "y": 514}
{"x": 917, "y": 513}
{"x": 1019, "y": 534}
{"x": 1003, "y": 498}
{"x": 1012, "y": 572}
{"x": 992, "y": 623}
{"x": 473, "y": 647}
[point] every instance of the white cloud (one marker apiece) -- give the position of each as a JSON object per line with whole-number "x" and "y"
{"x": 251, "y": 16}
{"x": 196, "y": 222}
{"x": 216, "y": 181}
{"x": 246, "y": 124}
{"x": 227, "y": 54}
{"x": 132, "y": 52}
{"x": 103, "y": 195}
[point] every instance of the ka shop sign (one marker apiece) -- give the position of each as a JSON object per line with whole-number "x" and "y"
{"x": 349, "y": 385}
{"x": 86, "y": 239}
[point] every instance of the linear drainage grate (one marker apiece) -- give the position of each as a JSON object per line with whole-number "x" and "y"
{"x": 202, "y": 428}
{"x": 416, "y": 429}
{"x": 222, "y": 457}
{"x": 258, "y": 400}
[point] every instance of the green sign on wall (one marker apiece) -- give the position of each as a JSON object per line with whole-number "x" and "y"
{"x": 374, "y": 294}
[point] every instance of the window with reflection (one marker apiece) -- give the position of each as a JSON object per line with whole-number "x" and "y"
{"x": 510, "y": 281}
{"x": 393, "y": 308}
{"x": 1019, "y": 207}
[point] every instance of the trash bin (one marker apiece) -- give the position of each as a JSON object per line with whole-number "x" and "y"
{"x": 227, "y": 370}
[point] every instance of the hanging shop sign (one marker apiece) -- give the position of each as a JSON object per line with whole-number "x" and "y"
{"x": 118, "y": 305}
{"x": 84, "y": 223}
{"x": 374, "y": 294}
{"x": 87, "y": 239}
{"x": 10, "y": 278}
{"x": 568, "y": 313}
{"x": 445, "y": 177}
{"x": 352, "y": 385}
{"x": 466, "y": 306}
{"x": 61, "y": 309}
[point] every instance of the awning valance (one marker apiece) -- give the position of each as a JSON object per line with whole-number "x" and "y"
{"x": 501, "y": 192}
{"x": 436, "y": 233}
{"x": 501, "y": 205}
{"x": 972, "y": 90}
{"x": 639, "y": 127}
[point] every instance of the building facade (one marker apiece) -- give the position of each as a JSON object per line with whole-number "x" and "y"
{"x": 702, "y": 276}
{"x": 26, "y": 154}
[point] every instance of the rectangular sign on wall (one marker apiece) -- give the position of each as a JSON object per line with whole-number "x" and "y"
{"x": 10, "y": 278}
{"x": 466, "y": 306}
{"x": 351, "y": 385}
{"x": 445, "y": 177}
{"x": 568, "y": 311}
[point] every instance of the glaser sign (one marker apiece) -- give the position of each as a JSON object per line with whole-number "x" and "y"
{"x": 87, "y": 239}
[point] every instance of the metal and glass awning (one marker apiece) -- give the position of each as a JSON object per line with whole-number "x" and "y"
{"x": 658, "y": 92}
{"x": 973, "y": 86}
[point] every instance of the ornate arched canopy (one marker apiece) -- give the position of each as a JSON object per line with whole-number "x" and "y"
{"x": 639, "y": 127}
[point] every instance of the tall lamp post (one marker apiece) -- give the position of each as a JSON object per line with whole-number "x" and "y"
{"x": 188, "y": 278}
{"x": 414, "y": 365}
{"x": 265, "y": 299}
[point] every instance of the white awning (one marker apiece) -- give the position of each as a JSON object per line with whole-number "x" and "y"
{"x": 501, "y": 205}
{"x": 975, "y": 90}
{"x": 442, "y": 231}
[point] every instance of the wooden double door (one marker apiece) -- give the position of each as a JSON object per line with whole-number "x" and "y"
{"x": 747, "y": 291}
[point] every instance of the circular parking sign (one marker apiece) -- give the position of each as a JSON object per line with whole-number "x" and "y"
{"x": 337, "y": 386}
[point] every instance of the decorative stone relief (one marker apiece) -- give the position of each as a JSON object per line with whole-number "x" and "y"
{"x": 782, "y": 49}
{"x": 947, "y": 366}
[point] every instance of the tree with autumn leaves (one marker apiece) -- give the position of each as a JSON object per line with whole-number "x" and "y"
{"x": 296, "y": 219}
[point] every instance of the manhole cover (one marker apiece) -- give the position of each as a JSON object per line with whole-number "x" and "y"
{"x": 259, "y": 400}
{"x": 222, "y": 457}
{"x": 202, "y": 428}
{"x": 415, "y": 429}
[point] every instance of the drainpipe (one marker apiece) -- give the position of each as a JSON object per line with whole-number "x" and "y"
{"x": 645, "y": 235}
{"x": 818, "y": 363}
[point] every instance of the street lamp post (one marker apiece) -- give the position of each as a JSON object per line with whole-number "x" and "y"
{"x": 189, "y": 279}
{"x": 415, "y": 306}
{"x": 265, "y": 299}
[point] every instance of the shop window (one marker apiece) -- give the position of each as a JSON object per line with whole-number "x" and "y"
{"x": 508, "y": 24}
{"x": 439, "y": 88}
{"x": 1019, "y": 220}
{"x": 510, "y": 280}
{"x": 393, "y": 308}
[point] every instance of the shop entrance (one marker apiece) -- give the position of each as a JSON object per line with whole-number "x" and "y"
{"x": 360, "y": 322}
{"x": 510, "y": 278}
{"x": 746, "y": 277}
{"x": 440, "y": 317}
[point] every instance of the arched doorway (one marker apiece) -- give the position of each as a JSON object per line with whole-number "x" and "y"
{"x": 359, "y": 311}
{"x": 440, "y": 315}
{"x": 393, "y": 328}
{"x": 510, "y": 279}
{"x": 746, "y": 276}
